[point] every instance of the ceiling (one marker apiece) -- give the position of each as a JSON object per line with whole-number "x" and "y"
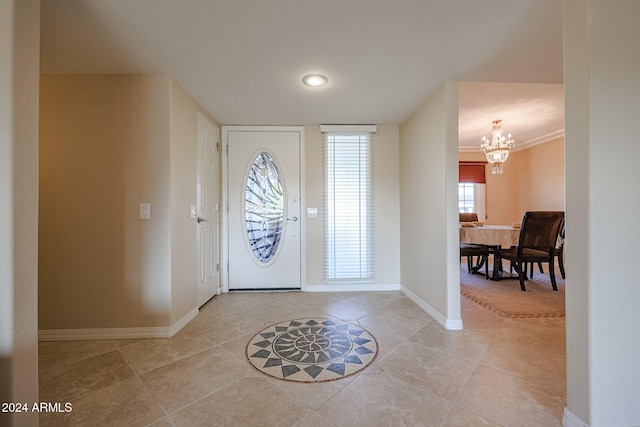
{"x": 243, "y": 60}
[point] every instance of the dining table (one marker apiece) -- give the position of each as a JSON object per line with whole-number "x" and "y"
{"x": 492, "y": 236}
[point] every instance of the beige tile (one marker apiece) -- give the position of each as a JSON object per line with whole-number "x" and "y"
{"x": 482, "y": 319}
{"x": 392, "y": 323}
{"x": 165, "y": 422}
{"x": 146, "y": 355}
{"x": 72, "y": 381}
{"x": 217, "y": 305}
{"x": 386, "y": 343}
{"x": 227, "y": 328}
{"x": 376, "y": 300}
{"x": 347, "y": 310}
{"x": 409, "y": 308}
{"x": 245, "y": 301}
{"x": 469, "y": 345}
{"x": 380, "y": 400}
{"x": 521, "y": 390}
{"x": 313, "y": 420}
{"x": 459, "y": 417}
{"x": 312, "y": 299}
{"x": 431, "y": 370}
{"x": 125, "y": 403}
{"x": 212, "y": 316}
{"x": 529, "y": 361}
{"x": 126, "y": 341}
{"x": 534, "y": 332}
{"x": 54, "y": 354}
{"x": 313, "y": 394}
{"x": 513, "y": 401}
{"x": 276, "y": 311}
{"x": 247, "y": 402}
{"x": 238, "y": 346}
{"x": 180, "y": 383}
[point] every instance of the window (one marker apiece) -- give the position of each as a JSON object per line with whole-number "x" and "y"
{"x": 466, "y": 197}
{"x": 348, "y": 198}
{"x": 472, "y": 187}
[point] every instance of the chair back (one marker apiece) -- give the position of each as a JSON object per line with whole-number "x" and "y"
{"x": 540, "y": 230}
{"x": 468, "y": 216}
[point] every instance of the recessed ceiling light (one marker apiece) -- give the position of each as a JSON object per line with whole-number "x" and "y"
{"x": 315, "y": 80}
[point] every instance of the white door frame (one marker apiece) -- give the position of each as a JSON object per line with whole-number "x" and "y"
{"x": 225, "y": 197}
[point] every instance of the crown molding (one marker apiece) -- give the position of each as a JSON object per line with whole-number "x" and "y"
{"x": 520, "y": 145}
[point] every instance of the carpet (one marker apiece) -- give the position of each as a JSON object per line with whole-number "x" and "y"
{"x": 312, "y": 350}
{"x": 505, "y": 298}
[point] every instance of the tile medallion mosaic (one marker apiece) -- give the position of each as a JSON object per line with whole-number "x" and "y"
{"x": 312, "y": 350}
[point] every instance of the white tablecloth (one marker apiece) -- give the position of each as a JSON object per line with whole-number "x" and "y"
{"x": 494, "y": 235}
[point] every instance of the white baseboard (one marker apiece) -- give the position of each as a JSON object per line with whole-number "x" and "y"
{"x": 351, "y": 287}
{"x": 570, "y": 420}
{"x": 116, "y": 333}
{"x": 449, "y": 324}
{"x": 182, "y": 322}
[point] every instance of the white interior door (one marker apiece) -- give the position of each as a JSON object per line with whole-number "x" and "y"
{"x": 264, "y": 221}
{"x": 207, "y": 210}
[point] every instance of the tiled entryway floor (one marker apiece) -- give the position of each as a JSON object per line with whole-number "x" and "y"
{"x": 496, "y": 372}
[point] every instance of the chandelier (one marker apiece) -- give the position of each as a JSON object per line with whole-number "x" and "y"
{"x": 497, "y": 150}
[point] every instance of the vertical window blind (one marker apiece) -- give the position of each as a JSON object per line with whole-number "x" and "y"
{"x": 348, "y": 205}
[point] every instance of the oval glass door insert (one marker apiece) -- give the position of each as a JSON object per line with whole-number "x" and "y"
{"x": 264, "y": 207}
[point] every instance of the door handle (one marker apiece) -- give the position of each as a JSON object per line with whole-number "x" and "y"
{"x": 295, "y": 218}
{"x": 201, "y": 220}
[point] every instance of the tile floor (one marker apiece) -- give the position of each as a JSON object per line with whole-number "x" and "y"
{"x": 496, "y": 372}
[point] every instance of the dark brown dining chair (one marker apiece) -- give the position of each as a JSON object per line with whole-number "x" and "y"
{"x": 537, "y": 244}
{"x": 470, "y": 250}
{"x": 468, "y": 216}
{"x": 559, "y": 253}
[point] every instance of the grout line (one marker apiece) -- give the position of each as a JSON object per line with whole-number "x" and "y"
{"x": 166, "y": 414}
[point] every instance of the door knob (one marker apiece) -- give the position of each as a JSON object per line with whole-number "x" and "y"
{"x": 295, "y": 218}
{"x": 201, "y": 220}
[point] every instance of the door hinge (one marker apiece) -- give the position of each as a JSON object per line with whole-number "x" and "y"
{"x": 217, "y": 146}
{"x": 218, "y": 267}
{"x": 227, "y": 149}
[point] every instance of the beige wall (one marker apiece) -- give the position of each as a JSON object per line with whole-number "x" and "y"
{"x": 386, "y": 205}
{"x": 533, "y": 179}
{"x": 428, "y": 204}
{"x": 109, "y": 143}
{"x": 540, "y": 171}
{"x": 19, "y": 68}
{"x": 183, "y": 170}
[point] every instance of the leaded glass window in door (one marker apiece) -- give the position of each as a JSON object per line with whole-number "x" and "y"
{"x": 264, "y": 207}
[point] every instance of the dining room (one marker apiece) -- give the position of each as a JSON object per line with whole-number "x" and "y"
{"x": 533, "y": 176}
{"x": 495, "y": 191}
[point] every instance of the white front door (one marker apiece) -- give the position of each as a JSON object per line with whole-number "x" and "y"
{"x": 207, "y": 210}
{"x": 264, "y": 221}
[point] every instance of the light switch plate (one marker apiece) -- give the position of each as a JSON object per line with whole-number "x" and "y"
{"x": 312, "y": 212}
{"x": 145, "y": 210}
{"x": 193, "y": 212}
